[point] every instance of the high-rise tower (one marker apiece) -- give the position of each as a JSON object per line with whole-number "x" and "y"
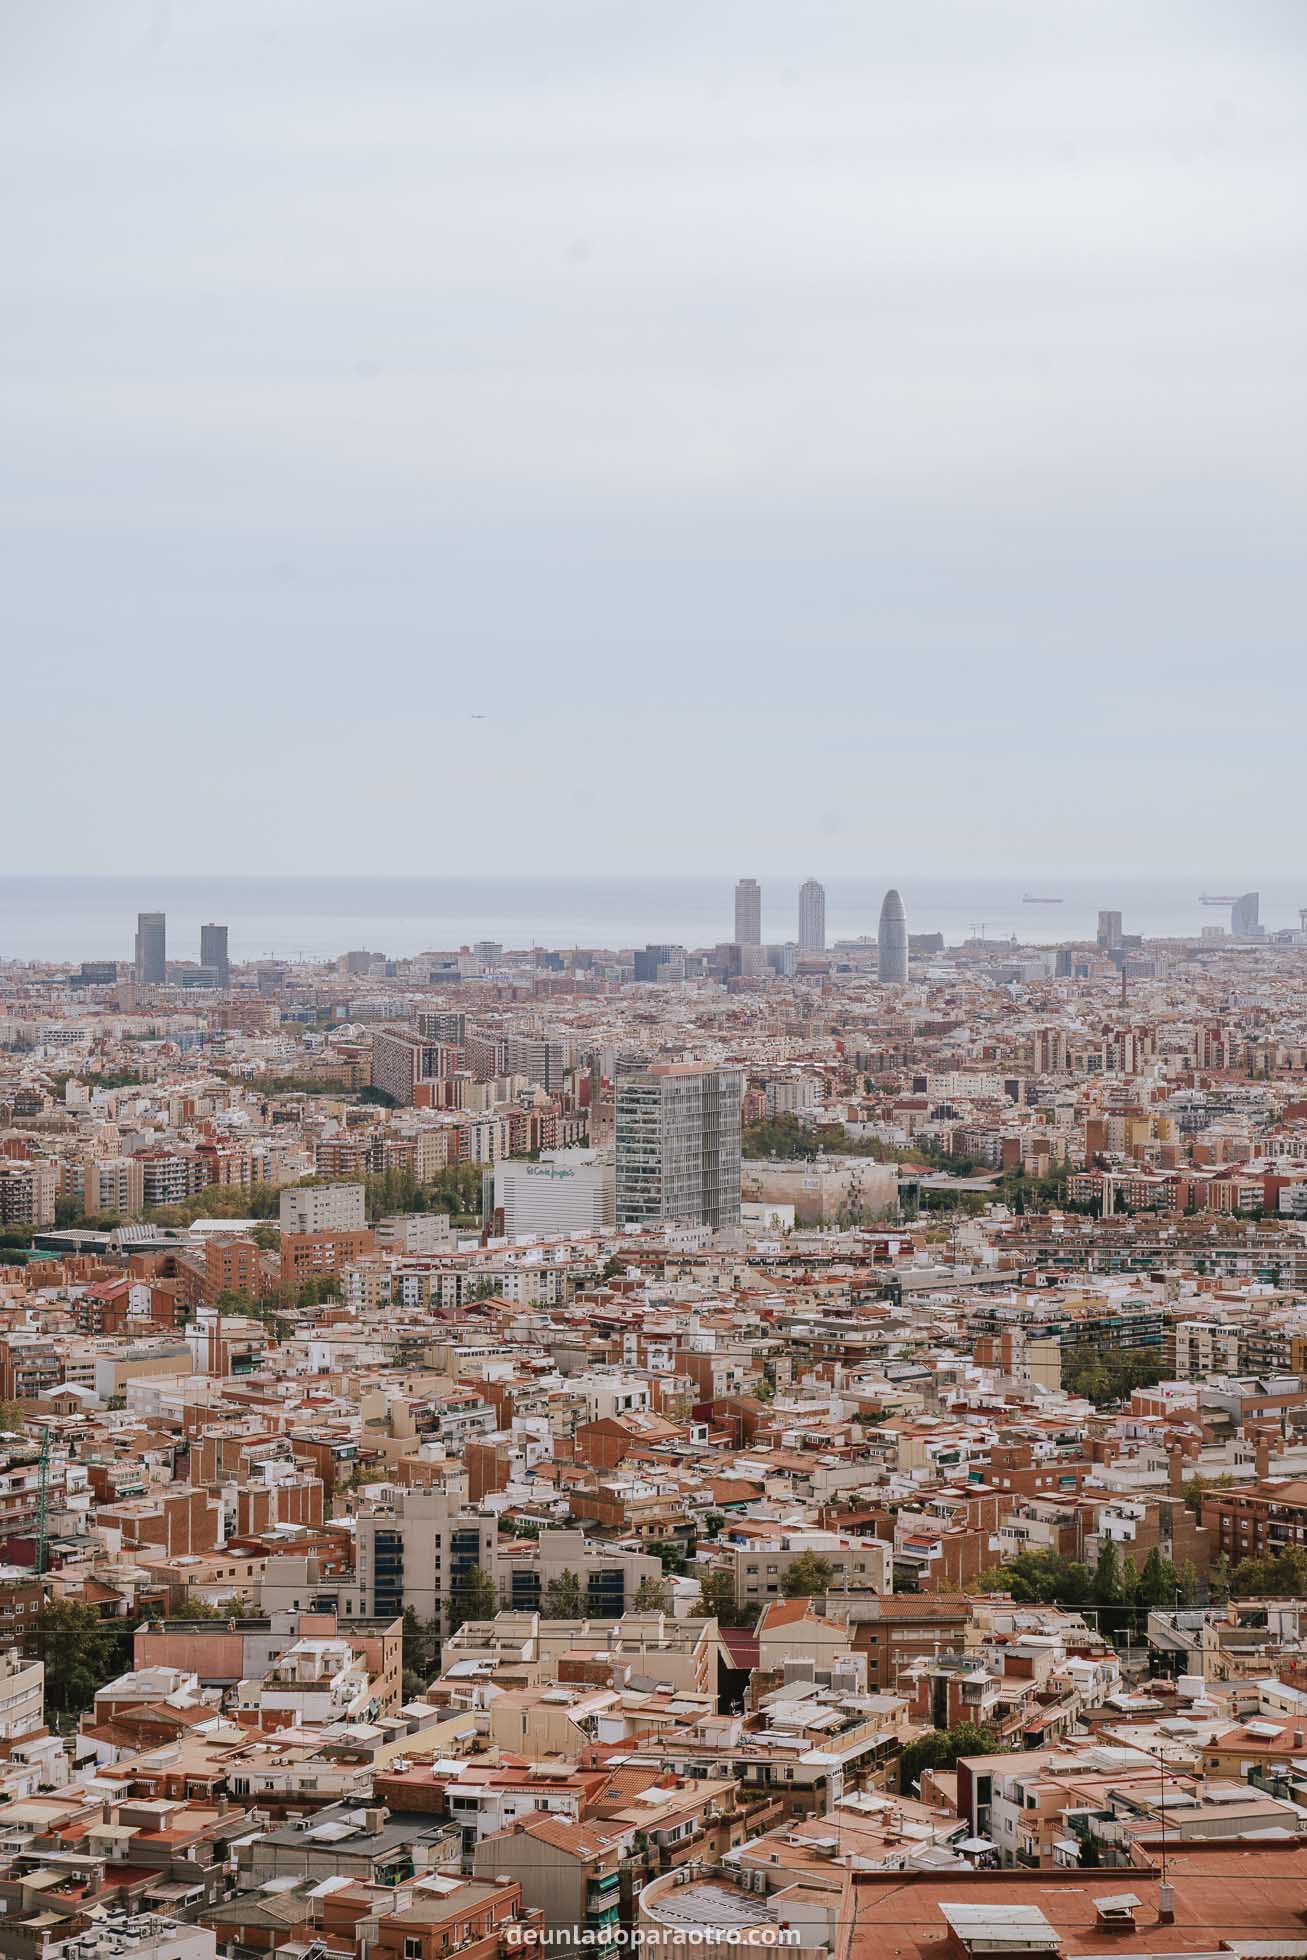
{"x": 812, "y": 917}
{"x": 892, "y": 941}
{"x": 748, "y": 913}
{"x": 678, "y": 1143}
{"x": 151, "y": 948}
{"x": 213, "y": 952}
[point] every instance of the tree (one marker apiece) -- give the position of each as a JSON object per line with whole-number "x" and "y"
{"x": 564, "y": 1599}
{"x": 1039, "y": 1578}
{"x": 12, "y": 1418}
{"x": 1110, "y": 1374}
{"x": 1219, "y": 1578}
{"x": 717, "y": 1600}
{"x": 1197, "y": 1486}
{"x": 78, "y": 1649}
{"x": 613, "y": 1266}
{"x": 1158, "y": 1582}
{"x": 317, "y": 1288}
{"x": 941, "y": 1748}
{"x": 809, "y": 1574}
{"x": 474, "y": 1598}
{"x": 1107, "y": 1575}
{"x": 421, "y": 1654}
{"x": 652, "y": 1596}
{"x": 192, "y": 1607}
{"x": 672, "y": 1555}
{"x": 1271, "y": 1575}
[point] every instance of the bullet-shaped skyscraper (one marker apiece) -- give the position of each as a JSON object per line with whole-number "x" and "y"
{"x": 892, "y": 941}
{"x": 748, "y": 913}
{"x": 812, "y": 917}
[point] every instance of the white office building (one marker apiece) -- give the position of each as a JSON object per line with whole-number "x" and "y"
{"x": 566, "y": 1191}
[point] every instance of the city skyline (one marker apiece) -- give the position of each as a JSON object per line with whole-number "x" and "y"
{"x": 91, "y": 919}
{"x": 677, "y": 1316}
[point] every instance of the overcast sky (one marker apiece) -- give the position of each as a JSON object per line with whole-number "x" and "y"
{"x": 807, "y": 432}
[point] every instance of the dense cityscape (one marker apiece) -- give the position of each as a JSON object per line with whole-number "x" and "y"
{"x": 774, "y": 1444}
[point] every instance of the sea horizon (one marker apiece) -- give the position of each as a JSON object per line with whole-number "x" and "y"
{"x": 318, "y": 916}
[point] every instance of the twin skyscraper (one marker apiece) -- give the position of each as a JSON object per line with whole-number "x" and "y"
{"x": 891, "y": 937}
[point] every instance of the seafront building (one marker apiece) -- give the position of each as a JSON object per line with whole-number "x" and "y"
{"x": 748, "y": 913}
{"x": 892, "y": 942}
{"x": 812, "y": 917}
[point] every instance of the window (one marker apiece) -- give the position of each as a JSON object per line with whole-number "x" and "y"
{"x": 412, "y": 1948}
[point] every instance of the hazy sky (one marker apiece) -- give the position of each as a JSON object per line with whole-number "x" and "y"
{"x": 808, "y": 432}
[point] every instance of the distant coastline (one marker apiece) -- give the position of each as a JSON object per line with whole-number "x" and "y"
{"x": 320, "y": 917}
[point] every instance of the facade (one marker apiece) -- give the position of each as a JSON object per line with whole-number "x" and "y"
{"x": 28, "y": 1189}
{"x": 323, "y": 1208}
{"x": 22, "y": 1691}
{"x": 541, "y": 1062}
{"x": 892, "y": 942}
{"x": 678, "y": 1144}
{"x": 748, "y": 913}
{"x": 1245, "y": 916}
{"x": 812, "y": 917}
{"x": 213, "y": 952}
{"x": 114, "y": 1186}
{"x": 401, "y": 1059}
{"x": 418, "y": 1553}
{"x": 609, "y": 1575}
{"x": 151, "y": 949}
{"x": 566, "y": 1191}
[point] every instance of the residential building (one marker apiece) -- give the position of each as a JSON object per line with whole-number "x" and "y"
{"x": 678, "y": 1144}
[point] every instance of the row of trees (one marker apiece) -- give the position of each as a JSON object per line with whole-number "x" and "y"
{"x": 1122, "y": 1594}
{"x": 1119, "y": 1592}
{"x": 455, "y": 1190}
{"x": 1267, "y": 1575}
{"x": 785, "y": 1135}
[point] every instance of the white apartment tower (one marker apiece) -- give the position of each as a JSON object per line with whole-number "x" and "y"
{"x": 678, "y": 1144}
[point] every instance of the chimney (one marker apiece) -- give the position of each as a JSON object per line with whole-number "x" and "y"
{"x": 1166, "y": 1904}
{"x": 1175, "y": 1472}
{"x": 1263, "y": 1457}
